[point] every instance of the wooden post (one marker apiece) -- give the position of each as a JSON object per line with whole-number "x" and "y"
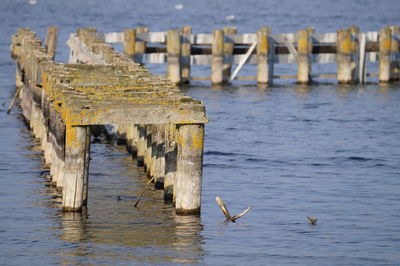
{"x": 217, "y": 76}
{"x": 394, "y": 65}
{"x": 51, "y": 41}
{"x": 228, "y": 51}
{"x": 141, "y": 146}
{"x": 170, "y": 161}
{"x": 148, "y": 151}
{"x": 354, "y": 32}
{"x": 121, "y": 134}
{"x": 189, "y": 168}
{"x": 158, "y": 156}
{"x": 76, "y": 170}
{"x": 304, "y": 62}
{"x": 130, "y": 42}
{"x": 140, "y": 45}
{"x": 385, "y": 46}
{"x": 152, "y": 171}
{"x": 131, "y": 140}
{"x": 186, "y": 46}
{"x": 86, "y": 168}
{"x": 343, "y": 56}
{"x": 174, "y": 56}
{"x": 263, "y": 62}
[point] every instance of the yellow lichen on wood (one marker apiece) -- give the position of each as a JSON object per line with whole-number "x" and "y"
{"x": 71, "y": 138}
{"x": 303, "y": 42}
{"x": 198, "y": 139}
{"x": 385, "y": 41}
{"x": 344, "y": 45}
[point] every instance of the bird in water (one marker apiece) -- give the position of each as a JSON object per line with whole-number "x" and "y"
{"x": 230, "y": 17}
{"x": 179, "y": 6}
{"x": 312, "y": 220}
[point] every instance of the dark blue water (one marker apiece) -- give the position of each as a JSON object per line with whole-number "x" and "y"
{"x": 327, "y": 151}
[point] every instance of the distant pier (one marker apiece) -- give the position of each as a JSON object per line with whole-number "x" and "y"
{"x": 349, "y": 48}
{"x": 63, "y": 103}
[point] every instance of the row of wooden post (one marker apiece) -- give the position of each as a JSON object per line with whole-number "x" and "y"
{"x": 165, "y": 151}
{"x": 348, "y": 54}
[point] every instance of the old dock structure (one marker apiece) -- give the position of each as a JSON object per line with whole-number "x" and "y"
{"x": 349, "y": 48}
{"x": 62, "y": 103}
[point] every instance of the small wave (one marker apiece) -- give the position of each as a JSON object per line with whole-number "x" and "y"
{"x": 220, "y": 153}
{"x": 255, "y": 160}
{"x": 221, "y": 166}
{"x": 358, "y": 158}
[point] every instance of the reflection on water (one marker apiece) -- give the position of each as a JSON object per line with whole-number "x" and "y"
{"x": 175, "y": 239}
{"x": 113, "y": 230}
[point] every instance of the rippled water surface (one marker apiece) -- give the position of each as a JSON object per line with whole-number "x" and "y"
{"x": 327, "y": 151}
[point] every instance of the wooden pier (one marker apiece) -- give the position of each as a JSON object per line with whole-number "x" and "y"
{"x": 349, "y": 48}
{"x": 163, "y": 128}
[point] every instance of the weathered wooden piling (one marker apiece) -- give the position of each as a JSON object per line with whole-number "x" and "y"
{"x": 141, "y": 146}
{"x": 148, "y": 151}
{"x": 129, "y": 42}
{"x": 141, "y": 44}
{"x": 76, "y": 169}
{"x": 51, "y": 41}
{"x": 158, "y": 156}
{"x": 189, "y": 168}
{"x": 174, "y": 56}
{"x": 343, "y": 57}
{"x": 228, "y": 51}
{"x": 132, "y": 140}
{"x": 186, "y": 47}
{"x": 170, "y": 152}
{"x": 217, "y": 75}
{"x": 264, "y": 57}
{"x": 385, "y": 47}
{"x": 303, "y": 60}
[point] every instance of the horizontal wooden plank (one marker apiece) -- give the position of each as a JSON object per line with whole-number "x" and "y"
{"x": 113, "y": 37}
{"x": 324, "y": 38}
{"x": 325, "y": 75}
{"x": 200, "y": 78}
{"x": 140, "y": 114}
{"x": 372, "y": 74}
{"x": 235, "y": 59}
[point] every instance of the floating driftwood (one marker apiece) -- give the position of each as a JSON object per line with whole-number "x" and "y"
{"x": 225, "y": 211}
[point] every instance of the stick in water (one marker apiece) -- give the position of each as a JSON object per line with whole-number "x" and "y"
{"x": 144, "y": 189}
{"x": 225, "y": 211}
{"x": 13, "y": 101}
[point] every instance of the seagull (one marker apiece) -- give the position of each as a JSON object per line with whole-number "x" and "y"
{"x": 230, "y": 17}
{"x": 312, "y": 220}
{"x": 225, "y": 211}
{"x": 179, "y": 6}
